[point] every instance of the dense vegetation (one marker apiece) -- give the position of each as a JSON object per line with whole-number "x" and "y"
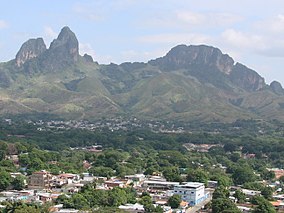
{"x": 143, "y": 151}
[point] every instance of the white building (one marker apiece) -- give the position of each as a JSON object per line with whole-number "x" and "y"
{"x": 191, "y": 192}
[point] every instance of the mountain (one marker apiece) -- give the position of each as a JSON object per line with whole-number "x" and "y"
{"x": 189, "y": 83}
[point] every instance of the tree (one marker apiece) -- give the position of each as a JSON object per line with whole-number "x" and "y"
{"x": 263, "y": 206}
{"x": 243, "y": 174}
{"x": 79, "y": 201}
{"x": 223, "y": 205}
{"x": 281, "y": 179}
{"x": 174, "y": 201}
{"x": 5, "y": 180}
{"x": 3, "y": 149}
{"x": 267, "y": 192}
{"x": 117, "y": 197}
{"x": 18, "y": 182}
{"x": 221, "y": 192}
{"x": 268, "y": 175}
{"x": 172, "y": 174}
{"x": 223, "y": 179}
{"x": 197, "y": 175}
{"x": 230, "y": 147}
{"x": 102, "y": 171}
{"x": 241, "y": 197}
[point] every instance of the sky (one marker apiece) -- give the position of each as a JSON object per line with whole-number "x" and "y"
{"x": 250, "y": 31}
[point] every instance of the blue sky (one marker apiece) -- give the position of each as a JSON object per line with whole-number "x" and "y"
{"x": 252, "y": 32}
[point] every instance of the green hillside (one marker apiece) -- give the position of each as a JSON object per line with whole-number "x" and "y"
{"x": 189, "y": 83}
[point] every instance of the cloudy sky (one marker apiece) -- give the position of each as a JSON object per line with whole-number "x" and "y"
{"x": 251, "y": 31}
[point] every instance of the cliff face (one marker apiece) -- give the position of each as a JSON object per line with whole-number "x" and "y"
{"x": 195, "y": 82}
{"x": 277, "y": 88}
{"x": 246, "y": 78}
{"x": 29, "y": 50}
{"x": 209, "y": 64}
{"x": 63, "y": 52}
{"x": 183, "y": 56}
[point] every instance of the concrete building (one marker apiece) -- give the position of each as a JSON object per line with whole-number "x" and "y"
{"x": 159, "y": 185}
{"x": 191, "y": 192}
{"x": 39, "y": 180}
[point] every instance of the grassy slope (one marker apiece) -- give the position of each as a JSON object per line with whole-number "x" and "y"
{"x": 168, "y": 95}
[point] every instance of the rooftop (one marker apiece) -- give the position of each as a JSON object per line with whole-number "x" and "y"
{"x": 191, "y": 185}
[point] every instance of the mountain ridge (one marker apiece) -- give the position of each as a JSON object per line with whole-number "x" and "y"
{"x": 188, "y": 83}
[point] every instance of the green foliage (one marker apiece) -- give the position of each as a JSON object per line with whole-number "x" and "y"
{"x": 243, "y": 174}
{"x": 19, "y": 207}
{"x": 174, "y": 201}
{"x": 102, "y": 171}
{"x": 221, "y": 192}
{"x": 267, "y": 193}
{"x": 253, "y": 186}
{"x": 224, "y": 205}
{"x": 18, "y": 183}
{"x": 263, "y": 206}
{"x": 240, "y": 196}
{"x": 5, "y": 180}
{"x": 172, "y": 174}
{"x": 197, "y": 175}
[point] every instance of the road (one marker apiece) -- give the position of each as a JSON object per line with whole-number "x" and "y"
{"x": 199, "y": 206}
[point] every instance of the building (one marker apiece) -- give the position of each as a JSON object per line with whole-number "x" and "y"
{"x": 159, "y": 185}
{"x": 133, "y": 208}
{"x": 39, "y": 180}
{"x": 191, "y": 192}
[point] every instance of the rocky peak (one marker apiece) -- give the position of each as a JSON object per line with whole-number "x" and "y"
{"x": 30, "y": 49}
{"x": 66, "y": 45}
{"x": 88, "y": 58}
{"x": 277, "y": 88}
{"x": 63, "y": 52}
{"x": 183, "y": 56}
{"x": 246, "y": 78}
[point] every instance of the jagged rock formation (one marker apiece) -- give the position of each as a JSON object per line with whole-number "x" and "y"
{"x": 88, "y": 58}
{"x": 63, "y": 51}
{"x": 277, "y": 87}
{"x": 208, "y": 64}
{"x": 30, "y": 49}
{"x": 246, "y": 78}
{"x": 183, "y": 56}
{"x": 188, "y": 83}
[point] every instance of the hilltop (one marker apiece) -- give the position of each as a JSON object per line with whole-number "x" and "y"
{"x": 195, "y": 82}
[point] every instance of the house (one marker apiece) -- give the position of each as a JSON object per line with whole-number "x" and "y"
{"x": 116, "y": 183}
{"x": 191, "y": 192}
{"x": 250, "y": 193}
{"x": 137, "y": 179}
{"x": 159, "y": 185}
{"x": 39, "y": 180}
{"x": 133, "y": 208}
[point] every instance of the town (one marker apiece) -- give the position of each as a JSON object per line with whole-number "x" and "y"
{"x": 82, "y": 170}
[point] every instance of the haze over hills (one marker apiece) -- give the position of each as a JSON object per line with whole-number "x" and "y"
{"x": 188, "y": 83}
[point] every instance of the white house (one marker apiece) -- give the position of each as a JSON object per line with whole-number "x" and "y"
{"x": 191, "y": 192}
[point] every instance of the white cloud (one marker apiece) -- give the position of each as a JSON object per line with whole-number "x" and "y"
{"x": 49, "y": 34}
{"x": 87, "y": 48}
{"x": 208, "y": 19}
{"x": 141, "y": 56}
{"x": 242, "y": 40}
{"x": 246, "y": 42}
{"x": 89, "y": 12}
{"x": 273, "y": 25}
{"x": 3, "y": 24}
{"x": 191, "y": 17}
{"x": 178, "y": 38}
